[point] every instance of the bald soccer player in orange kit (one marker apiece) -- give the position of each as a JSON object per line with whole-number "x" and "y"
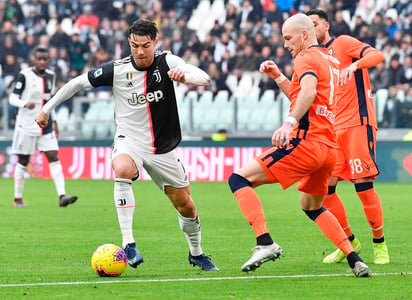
{"x": 304, "y": 149}
{"x": 355, "y": 127}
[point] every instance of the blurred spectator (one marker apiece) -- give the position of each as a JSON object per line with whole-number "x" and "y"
{"x": 185, "y": 32}
{"x": 247, "y": 13}
{"x": 10, "y": 47}
{"x": 62, "y": 9}
{"x": 13, "y": 12}
{"x": 166, "y": 28}
{"x": 339, "y": 25}
{"x": 392, "y": 111}
{"x": 246, "y": 60}
{"x": 77, "y": 53}
{"x": 131, "y": 12}
{"x": 105, "y": 9}
{"x": 377, "y": 24}
{"x": 365, "y": 37}
{"x": 395, "y": 71}
{"x": 190, "y": 57}
{"x": 178, "y": 44}
{"x": 216, "y": 30}
{"x": 59, "y": 39}
{"x": 231, "y": 13}
{"x": 359, "y": 23}
{"x": 26, "y": 46}
{"x": 273, "y": 14}
{"x": 224, "y": 44}
{"x": 85, "y": 21}
{"x": 218, "y": 80}
{"x": 391, "y": 27}
{"x": 406, "y": 75}
{"x": 266, "y": 83}
{"x": 117, "y": 43}
{"x": 227, "y": 64}
{"x": 379, "y": 77}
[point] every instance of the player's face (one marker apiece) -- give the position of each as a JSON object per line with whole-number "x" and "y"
{"x": 293, "y": 40}
{"x": 321, "y": 28}
{"x": 41, "y": 62}
{"x": 142, "y": 48}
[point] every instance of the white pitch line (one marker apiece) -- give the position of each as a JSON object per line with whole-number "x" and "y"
{"x": 5, "y": 285}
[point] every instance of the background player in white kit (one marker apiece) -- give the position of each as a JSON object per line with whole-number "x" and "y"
{"x": 147, "y": 131}
{"x": 33, "y": 87}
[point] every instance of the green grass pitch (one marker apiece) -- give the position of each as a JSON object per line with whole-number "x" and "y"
{"x": 46, "y": 250}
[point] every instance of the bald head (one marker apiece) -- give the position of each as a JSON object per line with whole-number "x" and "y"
{"x": 299, "y": 33}
{"x": 300, "y": 22}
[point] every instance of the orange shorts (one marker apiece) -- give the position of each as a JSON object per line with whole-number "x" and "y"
{"x": 356, "y": 156}
{"x": 309, "y": 163}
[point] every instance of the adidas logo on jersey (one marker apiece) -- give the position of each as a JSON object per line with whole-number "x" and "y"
{"x": 129, "y": 84}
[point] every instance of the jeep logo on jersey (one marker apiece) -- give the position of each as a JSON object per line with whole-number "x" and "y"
{"x": 157, "y": 76}
{"x": 155, "y": 96}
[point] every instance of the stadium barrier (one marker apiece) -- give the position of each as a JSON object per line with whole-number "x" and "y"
{"x": 203, "y": 160}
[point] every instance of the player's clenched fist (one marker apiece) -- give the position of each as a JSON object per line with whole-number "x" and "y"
{"x": 41, "y": 118}
{"x": 270, "y": 68}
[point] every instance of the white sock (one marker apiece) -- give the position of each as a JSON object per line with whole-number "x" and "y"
{"x": 56, "y": 172}
{"x": 19, "y": 180}
{"x": 125, "y": 204}
{"x": 191, "y": 228}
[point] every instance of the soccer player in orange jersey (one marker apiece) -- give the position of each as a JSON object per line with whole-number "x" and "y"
{"x": 355, "y": 127}
{"x": 304, "y": 148}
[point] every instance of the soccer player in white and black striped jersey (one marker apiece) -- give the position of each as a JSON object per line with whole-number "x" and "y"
{"x": 147, "y": 131}
{"x": 33, "y": 87}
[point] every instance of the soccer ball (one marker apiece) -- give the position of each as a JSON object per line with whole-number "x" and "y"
{"x": 109, "y": 260}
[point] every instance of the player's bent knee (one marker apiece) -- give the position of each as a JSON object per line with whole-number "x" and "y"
{"x": 237, "y": 182}
{"x": 313, "y": 214}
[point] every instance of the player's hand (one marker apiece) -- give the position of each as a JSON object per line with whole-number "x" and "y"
{"x": 176, "y": 75}
{"x": 41, "y": 118}
{"x": 281, "y": 136}
{"x": 346, "y": 74}
{"x": 30, "y": 105}
{"x": 270, "y": 68}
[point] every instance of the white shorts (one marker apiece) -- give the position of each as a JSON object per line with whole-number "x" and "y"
{"x": 27, "y": 144}
{"x": 164, "y": 169}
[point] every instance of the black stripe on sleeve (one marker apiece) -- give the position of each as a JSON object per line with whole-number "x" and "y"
{"x": 307, "y": 73}
{"x": 101, "y": 76}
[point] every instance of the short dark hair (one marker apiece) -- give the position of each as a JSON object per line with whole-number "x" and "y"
{"x": 143, "y": 28}
{"x": 319, "y": 12}
{"x": 40, "y": 49}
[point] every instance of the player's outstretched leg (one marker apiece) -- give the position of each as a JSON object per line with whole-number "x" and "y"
{"x": 66, "y": 200}
{"x": 262, "y": 254}
{"x": 134, "y": 258}
{"x": 338, "y": 256}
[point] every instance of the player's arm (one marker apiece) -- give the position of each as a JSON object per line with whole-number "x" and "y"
{"x": 66, "y": 92}
{"x": 270, "y": 68}
{"x": 365, "y": 55}
{"x": 186, "y": 73}
{"x": 304, "y": 100}
{"x": 15, "y": 96}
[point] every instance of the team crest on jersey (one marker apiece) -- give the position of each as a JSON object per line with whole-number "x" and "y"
{"x": 98, "y": 73}
{"x": 157, "y": 76}
{"x": 330, "y": 51}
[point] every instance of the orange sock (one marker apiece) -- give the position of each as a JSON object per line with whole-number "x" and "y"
{"x": 373, "y": 211}
{"x": 333, "y": 203}
{"x": 252, "y": 209}
{"x": 331, "y": 228}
